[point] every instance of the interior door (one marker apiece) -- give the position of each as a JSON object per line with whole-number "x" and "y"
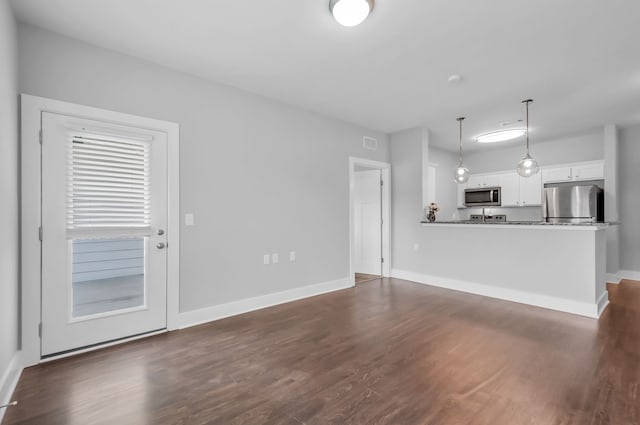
{"x": 104, "y": 221}
{"x": 368, "y": 222}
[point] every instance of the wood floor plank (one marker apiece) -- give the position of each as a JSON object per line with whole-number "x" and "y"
{"x": 385, "y": 352}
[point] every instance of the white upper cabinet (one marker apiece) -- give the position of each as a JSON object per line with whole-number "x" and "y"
{"x": 531, "y": 190}
{"x": 510, "y": 193}
{"x": 588, "y": 171}
{"x": 575, "y": 172}
{"x": 521, "y": 191}
{"x": 475, "y": 181}
{"x": 483, "y": 180}
{"x": 527, "y": 191}
{"x": 491, "y": 180}
{"x": 559, "y": 174}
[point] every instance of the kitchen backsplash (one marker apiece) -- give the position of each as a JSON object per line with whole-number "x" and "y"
{"x": 513, "y": 214}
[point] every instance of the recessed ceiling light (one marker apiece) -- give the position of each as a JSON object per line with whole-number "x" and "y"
{"x": 500, "y": 136}
{"x": 350, "y": 13}
{"x": 454, "y": 79}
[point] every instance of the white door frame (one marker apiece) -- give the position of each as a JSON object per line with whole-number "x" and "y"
{"x": 31, "y": 175}
{"x": 385, "y": 169}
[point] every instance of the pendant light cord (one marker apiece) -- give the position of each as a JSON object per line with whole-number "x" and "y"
{"x": 460, "y": 152}
{"x": 526, "y": 103}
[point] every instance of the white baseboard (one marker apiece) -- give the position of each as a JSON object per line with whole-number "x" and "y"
{"x": 209, "y": 314}
{"x": 603, "y": 302}
{"x": 538, "y": 300}
{"x": 9, "y": 380}
{"x": 613, "y": 278}
{"x": 629, "y": 274}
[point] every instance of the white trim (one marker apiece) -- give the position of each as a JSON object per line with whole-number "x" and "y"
{"x": 32, "y": 108}
{"x": 385, "y": 168}
{"x": 100, "y": 346}
{"x": 209, "y": 314}
{"x": 629, "y": 274}
{"x": 9, "y": 381}
{"x": 538, "y": 300}
{"x": 603, "y": 302}
{"x": 173, "y": 220}
{"x": 613, "y": 278}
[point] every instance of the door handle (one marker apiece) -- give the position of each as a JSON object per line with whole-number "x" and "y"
{"x": 161, "y": 245}
{"x": 160, "y": 232}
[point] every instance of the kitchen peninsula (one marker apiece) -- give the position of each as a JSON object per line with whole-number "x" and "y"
{"x": 556, "y": 266}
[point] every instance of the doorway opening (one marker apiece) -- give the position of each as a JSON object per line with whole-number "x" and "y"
{"x": 369, "y": 206}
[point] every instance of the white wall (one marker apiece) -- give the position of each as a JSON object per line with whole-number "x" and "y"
{"x": 583, "y": 147}
{"x": 629, "y": 198}
{"x": 446, "y": 188}
{"x": 9, "y": 201}
{"x": 406, "y": 194}
{"x": 260, "y": 176}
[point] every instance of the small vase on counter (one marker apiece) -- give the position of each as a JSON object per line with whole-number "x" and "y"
{"x": 430, "y": 212}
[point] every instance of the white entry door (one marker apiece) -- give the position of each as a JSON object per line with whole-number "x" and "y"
{"x": 104, "y": 221}
{"x": 368, "y": 222}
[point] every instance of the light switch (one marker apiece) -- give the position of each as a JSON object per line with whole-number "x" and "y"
{"x": 267, "y": 259}
{"x": 274, "y": 258}
{"x": 416, "y": 247}
{"x": 188, "y": 219}
{"x": 292, "y": 256}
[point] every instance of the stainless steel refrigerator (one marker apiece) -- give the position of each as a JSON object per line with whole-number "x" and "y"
{"x": 573, "y": 204}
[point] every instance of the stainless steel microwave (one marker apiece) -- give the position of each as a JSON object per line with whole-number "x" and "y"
{"x": 483, "y": 197}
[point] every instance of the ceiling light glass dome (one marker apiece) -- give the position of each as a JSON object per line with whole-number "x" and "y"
{"x": 461, "y": 174}
{"x": 528, "y": 166}
{"x": 350, "y": 13}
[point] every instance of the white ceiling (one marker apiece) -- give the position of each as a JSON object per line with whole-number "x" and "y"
{"x": 579, "y": 59}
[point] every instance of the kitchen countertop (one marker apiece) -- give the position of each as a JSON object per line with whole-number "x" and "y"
{"x": 521, "y": 224}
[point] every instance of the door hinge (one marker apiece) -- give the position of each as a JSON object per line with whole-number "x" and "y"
{"x": 40, "y": 233}
{"x": 382, "y": 260}
{"x": 40, "y": 136}
{"x": 381, "y": 181}
{"x": 40, "y": 329}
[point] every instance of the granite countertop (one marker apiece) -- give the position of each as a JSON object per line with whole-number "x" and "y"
{"x": 520, "y": 223}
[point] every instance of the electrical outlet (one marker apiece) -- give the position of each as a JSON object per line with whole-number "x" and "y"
{"x": 274, "y": 258}
{"x": 267, "y": 259}
{"x": 292, "y": 256}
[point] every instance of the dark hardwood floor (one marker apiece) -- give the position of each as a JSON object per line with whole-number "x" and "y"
{"x": 363, "y": 277}
{"x": 384, "y": 352}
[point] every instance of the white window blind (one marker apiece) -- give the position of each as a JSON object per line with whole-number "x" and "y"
{"x": 108, "y": 190}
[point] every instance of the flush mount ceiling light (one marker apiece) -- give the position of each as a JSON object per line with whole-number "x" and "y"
{"x": 350, "y": 13}
{"x": 461, "y": 174}
{"x": 527, "y": 166}
{"x": 501, "y": 135}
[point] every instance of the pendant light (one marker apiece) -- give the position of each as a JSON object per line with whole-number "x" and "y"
{"x": 462, "y": 173}
{"x": 350, "y": 13}
{"x": 528, "y": 166}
